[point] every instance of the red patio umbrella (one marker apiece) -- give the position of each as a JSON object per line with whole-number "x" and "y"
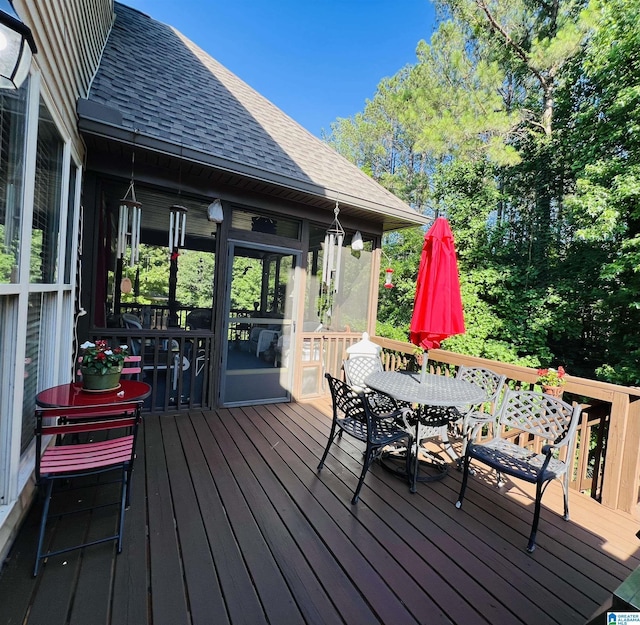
{"x": 437, "y": 309}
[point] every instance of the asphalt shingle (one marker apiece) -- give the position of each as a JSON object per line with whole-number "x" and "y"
{"x": 167, "y": 87}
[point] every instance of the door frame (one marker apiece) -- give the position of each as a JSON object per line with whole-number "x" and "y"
{"x": 296, "y": 253}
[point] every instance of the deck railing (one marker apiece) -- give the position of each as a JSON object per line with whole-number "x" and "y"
{"x": 607, "y": 461}
{"x": 176, "y": 363}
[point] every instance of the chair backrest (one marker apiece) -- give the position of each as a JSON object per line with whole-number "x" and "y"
{"x": 79, "y": 419}
{"x": 491, "y": 382}
{"x": 541, "y": 415}
{"x": 131, "y": 321}
{"x": 346, "y": 403}
{"x": 358, "y": 368}
{"x": 131, "y": 366}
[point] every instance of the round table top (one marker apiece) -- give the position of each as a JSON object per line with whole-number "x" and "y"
{"x": 435, "y": 390}
{"x": 72, "y": 394}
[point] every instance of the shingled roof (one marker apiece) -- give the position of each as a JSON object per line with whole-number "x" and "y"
{"x": 155, "y": 81}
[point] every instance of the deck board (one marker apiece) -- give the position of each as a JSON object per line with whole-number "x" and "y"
{"x": 131, "y": 571}
{"x": 439, "y": 546}
{"x": 168, "y": 601}
{"x": 231, "y": 523}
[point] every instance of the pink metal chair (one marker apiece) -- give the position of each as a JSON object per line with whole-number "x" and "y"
{"x": 132, "y": 366}
{"x": 99, "y": 455}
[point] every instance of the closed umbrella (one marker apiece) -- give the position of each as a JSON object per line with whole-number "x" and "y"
{"x": 437, "y": 309}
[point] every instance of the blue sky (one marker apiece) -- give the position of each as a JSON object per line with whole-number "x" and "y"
{"x": 317, "y": 60}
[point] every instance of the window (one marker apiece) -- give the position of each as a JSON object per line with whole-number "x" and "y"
{"x": 32, "y": 368}
{"x": 256, "y": 222}
{"x": 71, "y": 202}
{"x": 8, "y": 344}
{"x": 45, "y": 231}
{"x": 12, "y": 155}
{"x": 139, "y": 293}
{"x": 36, "y": 292}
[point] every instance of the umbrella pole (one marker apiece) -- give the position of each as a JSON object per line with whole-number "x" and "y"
{"x": 423, "y": 372}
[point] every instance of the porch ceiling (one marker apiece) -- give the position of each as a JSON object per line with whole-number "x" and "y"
{"x": 109, "y": 150}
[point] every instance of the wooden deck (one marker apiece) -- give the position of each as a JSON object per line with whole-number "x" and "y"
{"x": 231, "y": 523}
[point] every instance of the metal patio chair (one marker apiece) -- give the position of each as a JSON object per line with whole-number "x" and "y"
{"x": 537, "y": 416}
{"x": 474, "y": 418}
{"x": 356, "y": 370}
{"x": 60, "y": 463}
{"x": 354, "y": 415}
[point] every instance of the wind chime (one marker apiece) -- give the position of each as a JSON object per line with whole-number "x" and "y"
{"x": 129, "y": 218}
{"x": 177, "y": 228}
{"x": 177, "y": 234}
{"x": 331, "y": 260}
{"x": 128, "y": 239}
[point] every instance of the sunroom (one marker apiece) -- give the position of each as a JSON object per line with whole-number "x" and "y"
{"x": 238, "y": 308}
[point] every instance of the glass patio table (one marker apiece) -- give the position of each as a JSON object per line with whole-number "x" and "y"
{"x": 426, "y": 392}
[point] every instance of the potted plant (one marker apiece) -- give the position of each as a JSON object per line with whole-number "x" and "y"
{"x": 552, "y": 381}
{"x": 101, "y": 365}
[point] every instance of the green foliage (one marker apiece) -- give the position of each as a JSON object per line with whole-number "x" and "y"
{"x": 520, "y": 122}
{"x": 195, "y": 277}
{"x": 452, "y": 101}
{"x": 7, "y": 258}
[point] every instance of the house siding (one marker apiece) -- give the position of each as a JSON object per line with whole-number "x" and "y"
{"x": 70, "y": 36}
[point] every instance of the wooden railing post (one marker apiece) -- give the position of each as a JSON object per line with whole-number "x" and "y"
{"x": 620, "y": 481}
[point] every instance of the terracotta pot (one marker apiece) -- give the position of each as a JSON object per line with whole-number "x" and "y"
{"x": 555, "y": 391}
{"x": 101, "y": 381}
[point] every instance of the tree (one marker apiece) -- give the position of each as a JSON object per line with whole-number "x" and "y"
{"x": 524, "y": 116}
{"x": 605, "y": 205}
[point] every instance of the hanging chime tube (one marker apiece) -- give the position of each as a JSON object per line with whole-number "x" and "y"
{"x": 135, "y": 246}
{"x": 338, "y": 258}
{"x": 133, "y": 236}
{"x": 124, "y": 227}
{"x": 119, "y": 244}
{"x": 330, "y": 261}
{"x": 325, "y": 258}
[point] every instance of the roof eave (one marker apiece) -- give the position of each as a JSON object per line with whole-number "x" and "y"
{"x": 394, "y": 218}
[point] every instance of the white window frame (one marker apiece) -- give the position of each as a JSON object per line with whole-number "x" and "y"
{"x": 56, "y": 341}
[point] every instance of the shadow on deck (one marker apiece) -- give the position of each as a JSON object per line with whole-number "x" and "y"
{"x": 230, "y": 523}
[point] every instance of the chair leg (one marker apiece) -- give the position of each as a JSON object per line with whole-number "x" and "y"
{"x": 408, "y": 467}
{"x": 365, "y": 467}
{"x": 129, "y": 472}
{"x": 124, "y": 498}
{"x": 43, "y": 525}
{"x": 444, "y": 437}
{"x": 565, "y": 491}
{"x": 415, "y": 469}
{"x": 536, "y": 518}
{"x": 465, "y": 476}
{"x": 332, "y": 436}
